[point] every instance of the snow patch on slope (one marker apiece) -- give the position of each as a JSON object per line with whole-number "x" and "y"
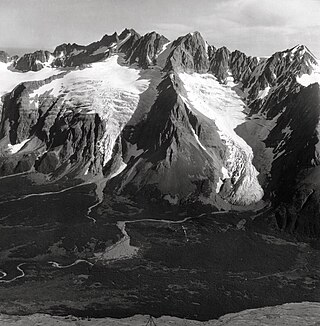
{"x": 101, "y": 50}
{"x": 75, "y": 52}
{"x": 124, "y": 40}
{"x": 105, "y": 88}
{"x": 314, "y": 77}
{"x": 163, "y": 48}
{"x": 133, "y": 152}
{"x": 16, "y": 148}
{"x": 207, "y": 48}
{"x": 198, "y": 140}
{"x": 119, "y": 170}
{"x": 264, "y": 92}
{"x": 219, "y": 185}
{"x": 222, "y": 104}
{"x": 163, "y": 54}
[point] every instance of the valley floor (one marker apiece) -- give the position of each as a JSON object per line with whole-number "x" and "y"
{"x": 190, "y": 263}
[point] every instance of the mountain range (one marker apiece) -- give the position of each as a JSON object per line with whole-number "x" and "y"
{"x": 170, "y": 123}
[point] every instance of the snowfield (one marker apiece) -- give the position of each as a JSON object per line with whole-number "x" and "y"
{"x": 10, "y": 79}
{"x": 222, "y": 104}
{"x": 106, "y": 88}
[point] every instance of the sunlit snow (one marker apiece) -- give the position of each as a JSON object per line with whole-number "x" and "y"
{"x": 10, "y": 79}
{"x": 263, "y": 93}
{"x": 314, "y": 77}
{"x": 119, "y": 170}
{"x": 287, "y": 131}
{"x": 198, "y": 141}
{"x": 106, "y": 88}
{"x": 222, "y": 104}
{"x": 163, "y": 48}
{"x": 16, "y": 148}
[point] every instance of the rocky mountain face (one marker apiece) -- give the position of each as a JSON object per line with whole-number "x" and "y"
{"x": 147, "y": 49}
{"x": 51, "y": 142}
{"x": 162, "y": 149}
{"x": 173, "y": 122}
{"x": 189, "y": 54}
{"x": 288, "y": 113}
{"x": 225, "y": 64}
{"x": 33, "y": 61}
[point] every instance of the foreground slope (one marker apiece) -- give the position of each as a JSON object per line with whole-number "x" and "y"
{"x": 292, "y": 314}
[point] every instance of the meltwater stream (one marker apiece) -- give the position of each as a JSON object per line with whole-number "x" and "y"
{"x": 120, "y": 250}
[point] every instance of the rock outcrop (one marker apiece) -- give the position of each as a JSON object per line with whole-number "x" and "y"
{"x": 33, "y": 61}
{"x": 147, "y": 49}
{"x": 226, "y": 65}
{"x": 219, "y": 64}
{"x": 49, "y": 139}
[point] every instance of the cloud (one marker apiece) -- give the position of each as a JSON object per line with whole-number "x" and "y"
{"x": 299, "y": 13}
{"x": 261, "y": 26}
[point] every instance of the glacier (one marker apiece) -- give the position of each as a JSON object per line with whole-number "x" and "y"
{"x": 107, "y": 88}
{"x": 224, "y": 106}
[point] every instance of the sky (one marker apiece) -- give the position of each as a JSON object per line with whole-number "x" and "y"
{"x": 256, "y": 27}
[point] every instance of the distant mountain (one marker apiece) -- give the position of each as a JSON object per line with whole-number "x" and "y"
{"x": 172, "y": 122}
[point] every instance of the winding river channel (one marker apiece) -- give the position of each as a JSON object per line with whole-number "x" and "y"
{"x": 4, "y": 274}
{"x": 122, "y": 249}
